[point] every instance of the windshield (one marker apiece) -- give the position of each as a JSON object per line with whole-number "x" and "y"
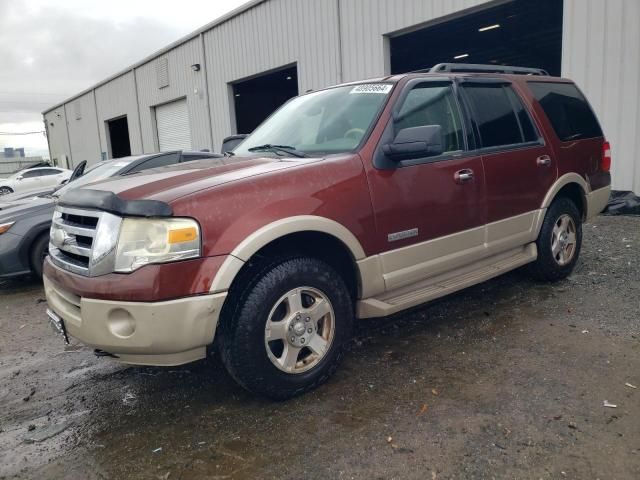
{"x": 330, "y": 121}
{"x": 97, "y": 172}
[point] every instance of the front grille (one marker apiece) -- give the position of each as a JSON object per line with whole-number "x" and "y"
{"x": 82, "y": 241}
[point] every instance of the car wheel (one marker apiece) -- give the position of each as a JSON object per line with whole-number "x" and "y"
{"x": 559, "y": 241}
{"x": 285, "y": 333}
{"x": 5, "y": 190}
{"x": 39, "y": 251}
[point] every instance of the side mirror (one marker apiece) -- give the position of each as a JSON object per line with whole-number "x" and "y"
{"x": 231, "y": 142}
{"x": 414, "y": 142}
{"x": 19, "y": 178}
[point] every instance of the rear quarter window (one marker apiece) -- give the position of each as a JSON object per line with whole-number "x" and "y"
{"x": 568, "y": 111}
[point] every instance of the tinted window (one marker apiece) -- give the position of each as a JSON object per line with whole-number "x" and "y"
{"x": 49, "y": 171}
{"x": 528, "y": 130}
{"x": 32, "y": 174}
{"x": 567, "y": 110}
{"x": 494, "y": 115}
{"x": 190, "y": 157}
{"x": 433, "y": 104}
{"x": 161, "y": 161}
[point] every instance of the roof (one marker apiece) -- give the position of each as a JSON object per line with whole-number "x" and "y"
{"x": 218, "y": 21}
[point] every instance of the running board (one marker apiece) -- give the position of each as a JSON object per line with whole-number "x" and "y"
{"x": 441, "y": 285}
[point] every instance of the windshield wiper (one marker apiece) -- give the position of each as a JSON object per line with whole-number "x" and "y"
{"x": 279, "y": 148}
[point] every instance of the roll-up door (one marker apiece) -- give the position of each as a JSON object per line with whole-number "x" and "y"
{"x": 172, "y": 121}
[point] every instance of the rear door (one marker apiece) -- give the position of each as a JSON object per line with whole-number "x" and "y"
{"x": 430, "y": 210}
{"x": 519, "y": 166}
{"x": 50, "y": 177}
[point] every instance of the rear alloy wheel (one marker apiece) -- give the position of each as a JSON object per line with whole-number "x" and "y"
{"x": 559, "y": 241}
{"x": 285, "y": 333}
{"x": 5, "y": 190}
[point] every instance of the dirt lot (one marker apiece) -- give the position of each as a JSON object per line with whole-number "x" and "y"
{"x": 503, "y": 380}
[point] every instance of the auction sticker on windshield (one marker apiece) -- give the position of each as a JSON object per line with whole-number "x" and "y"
{"x": 383, "y": 88}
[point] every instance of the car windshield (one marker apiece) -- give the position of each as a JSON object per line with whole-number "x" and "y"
{"x": 97, "y": 172}
{"x": 329, "y": 121}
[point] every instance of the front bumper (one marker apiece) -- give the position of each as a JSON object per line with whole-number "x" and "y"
{"x": 161, "y": 333}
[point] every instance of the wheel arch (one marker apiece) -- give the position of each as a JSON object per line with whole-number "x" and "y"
{"x": 318, "y": 236}
{"x": 574, "y": 187}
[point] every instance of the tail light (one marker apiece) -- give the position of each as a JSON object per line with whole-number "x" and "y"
{"x": 605, "y": 162}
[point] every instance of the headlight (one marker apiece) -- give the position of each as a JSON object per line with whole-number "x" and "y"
{"x": 5, "y": 227}
{"x": 145, "y": 241}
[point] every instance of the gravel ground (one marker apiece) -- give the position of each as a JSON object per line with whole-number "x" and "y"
{"x": 507, "y": 379}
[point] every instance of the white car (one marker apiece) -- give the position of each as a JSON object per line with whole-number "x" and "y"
{"x": 34, "y": 179}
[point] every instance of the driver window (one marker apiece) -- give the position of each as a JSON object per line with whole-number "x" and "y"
{"x": 31, "y": 174}
{"x": 433, "y": 105}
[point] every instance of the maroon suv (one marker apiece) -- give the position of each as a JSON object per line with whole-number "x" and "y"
{"x": 356, "y": 201}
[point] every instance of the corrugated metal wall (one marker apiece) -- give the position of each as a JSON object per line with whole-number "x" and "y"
{"x": 601, "y": 52}
{"x": 183, "y": 82}
{"x": 83, "y": 129}
{"x": 57, "y": 134}
{"x": 115, "y": 99}
{"x": 342, "y": 40}
{"x": 365, "y": 24}
{"x": 269, "y": 36}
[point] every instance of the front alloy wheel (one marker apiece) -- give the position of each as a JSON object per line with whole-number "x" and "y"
{"x": 299, "y": 330}
{"x": 284, "y": 328}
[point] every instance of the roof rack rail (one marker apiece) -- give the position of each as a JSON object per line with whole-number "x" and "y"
{"x": 479, "y": 68}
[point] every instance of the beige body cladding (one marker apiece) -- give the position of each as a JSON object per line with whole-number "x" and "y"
{"x": 149, "y": 333}
{"x": 398, "y": 279}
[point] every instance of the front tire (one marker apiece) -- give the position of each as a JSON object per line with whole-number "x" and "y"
{"x": 5, "y": 190}
{"x": 39, "y": 251}
{"x": 285, "y": 333}
{"x": 559, "y": 242}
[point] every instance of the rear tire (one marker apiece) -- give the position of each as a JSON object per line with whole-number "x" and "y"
{"x": 285, "y": 332}
{"x": 39, "y": 251}
{"x": 559, "y": 242}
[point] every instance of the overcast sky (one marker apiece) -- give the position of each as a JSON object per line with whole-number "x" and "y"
{"x": 52, "y": 49}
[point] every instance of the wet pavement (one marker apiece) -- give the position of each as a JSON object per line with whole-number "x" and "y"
{"x": 507, "y": 379}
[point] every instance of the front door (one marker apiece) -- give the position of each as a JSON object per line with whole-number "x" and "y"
{"x": 429, "y": 211}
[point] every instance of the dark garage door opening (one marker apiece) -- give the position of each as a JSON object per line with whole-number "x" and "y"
{"x": 257, "y": 98}
{"x": 521, "y": 32}
{"x": 119, "y": 137}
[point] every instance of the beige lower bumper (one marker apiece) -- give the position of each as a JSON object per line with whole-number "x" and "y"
{"x": 597, "y": 201}
{"x": 162, "y": 333}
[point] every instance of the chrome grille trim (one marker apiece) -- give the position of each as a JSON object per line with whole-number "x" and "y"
{"x": 93, "y": 253}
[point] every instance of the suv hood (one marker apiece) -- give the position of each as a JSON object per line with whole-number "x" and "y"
{"x": 167, "y": 184}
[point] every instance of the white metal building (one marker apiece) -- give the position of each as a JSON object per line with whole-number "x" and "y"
{"x": 228, "y": 76}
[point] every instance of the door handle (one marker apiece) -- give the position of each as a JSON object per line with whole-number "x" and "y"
{"x": 543, "y": 161}
{"x": 463, "y": 176}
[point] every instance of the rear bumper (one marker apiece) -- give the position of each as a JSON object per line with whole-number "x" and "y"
{"x": 162, "y": 333}
{"x": 597, "y": 201}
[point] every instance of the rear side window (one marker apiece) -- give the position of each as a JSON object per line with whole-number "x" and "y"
{"x": 567, "y": 110}
{"x": 49, "y": 171}
{"x": 499, "y": 114}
